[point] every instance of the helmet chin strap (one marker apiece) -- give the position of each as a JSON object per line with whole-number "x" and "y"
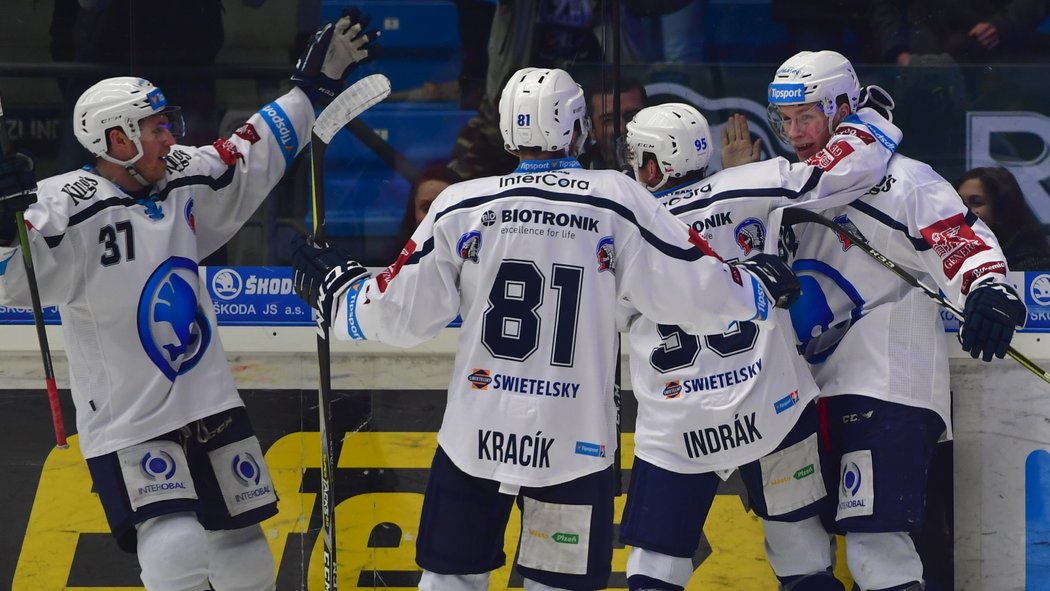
{"x": 137, "y": 176}
{"x": 129, "y": 164}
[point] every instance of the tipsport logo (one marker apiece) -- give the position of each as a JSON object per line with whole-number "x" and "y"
{"x": 786, "y": 93}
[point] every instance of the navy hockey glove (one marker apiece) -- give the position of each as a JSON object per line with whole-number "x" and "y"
{"x": 17, "y": 193}
{"x": 992, "y": 311}
{"x": 333, "y": 51}
{"x": 776, "y": 277}
{"x": 320, "y": 274}
{"x": 874, "y": 97}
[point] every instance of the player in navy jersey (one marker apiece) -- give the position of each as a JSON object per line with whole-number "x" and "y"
{"x": 536, "y": 262}
{"x": 877, "y": 345}
{"x": 116, "y": 247}
{"x": 709, "y": 403}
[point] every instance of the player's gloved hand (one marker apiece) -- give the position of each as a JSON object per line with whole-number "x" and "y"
{"x": 333, "y": 51}
{"x": 776, "y": 277}
{"x": 17, "y": 193}
{"x": 321, "y": 274}
{"x": 992, "y": 312}
{"x": 874, "y": 97}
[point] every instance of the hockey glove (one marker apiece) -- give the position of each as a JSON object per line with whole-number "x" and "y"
{"x": 17, "y": 193}
{"x": 334, "y": 50}
{"x": 320, "y": 274}
{"x": 776, "y": 277}
{"x": 991, "y": 313}
{"x": 874, "y": 97}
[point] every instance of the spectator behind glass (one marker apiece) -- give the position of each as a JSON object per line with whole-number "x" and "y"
{"x": 432, "y": 181}
{"x": 967, "y": 31}
{"x": 601, "y": 148}
{"x": 992, "y": 194}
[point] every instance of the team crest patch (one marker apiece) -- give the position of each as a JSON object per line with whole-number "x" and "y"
{"x": 228, "y": 152}
{"x": 188, "y": 213}
{"x": 751, "y": 235}
{"x": 606, "y": 253}
{"x": 480, "y": 379}
{"x": 844, "y": 221}
{"x": 469, "y": 245}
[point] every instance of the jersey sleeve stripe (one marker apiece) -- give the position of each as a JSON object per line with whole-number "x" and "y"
{"x": 919, "y": 244}
{"x": 771, "y": 192}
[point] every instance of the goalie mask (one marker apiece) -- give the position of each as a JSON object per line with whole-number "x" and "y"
{"x": 120, "y": 102}
{"x": 540, "y": 109}
{"x": 822, "y": 77}
{"x": 676, "y": 134}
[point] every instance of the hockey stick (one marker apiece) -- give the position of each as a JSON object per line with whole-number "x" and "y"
{"x": 794, "y": 216}
{"x": 349, "y": 104}
{"x": 38, "y": 313}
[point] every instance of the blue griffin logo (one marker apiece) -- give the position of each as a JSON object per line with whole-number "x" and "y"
{"x": 828, "y": 307}
{"x": 469, "y": 245}
{"x": 606, "y": 253}
{"x": 751, "y": 235}
{"x": 173, "y": 329}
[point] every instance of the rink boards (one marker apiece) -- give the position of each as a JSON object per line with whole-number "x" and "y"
{"x": 389, "y": 404}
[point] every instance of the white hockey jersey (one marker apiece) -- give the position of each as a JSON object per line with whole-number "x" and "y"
{"x": 866, "y": 331}
{"x": 535, "y": 262}
{"x": 717, "y": 401}
{"x": 139, "y": 328}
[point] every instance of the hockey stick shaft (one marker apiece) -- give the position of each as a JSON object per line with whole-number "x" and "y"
{"x": 57, "y": 421}
{"x": 794, "y": 216}
{"x": 348, "y": 105}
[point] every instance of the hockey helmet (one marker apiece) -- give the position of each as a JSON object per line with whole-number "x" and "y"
{"x": 675, "y": 133}
{"x": 812, "y": 77}
{"x": 539, "y": 109}
{"x": 120, "y": 102}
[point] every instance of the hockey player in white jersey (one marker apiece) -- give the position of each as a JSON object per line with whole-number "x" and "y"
{"x": 743, "y": 397}
{"x": 876, "y": 345}
{"x": 535, "y": 262}
{"x": 116, "y": 247}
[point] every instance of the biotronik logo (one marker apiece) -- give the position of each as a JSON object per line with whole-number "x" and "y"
{"x": 173, "y": 330}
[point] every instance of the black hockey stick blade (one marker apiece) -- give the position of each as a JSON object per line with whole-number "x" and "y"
{"x": 57, "y": 422}
{"x": 794, "y": 215}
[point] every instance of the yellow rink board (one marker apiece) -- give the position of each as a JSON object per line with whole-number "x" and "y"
{"x": 65, "y": 507}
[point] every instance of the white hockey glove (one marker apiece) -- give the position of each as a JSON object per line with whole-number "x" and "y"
{"x": 335, "y": 49}
{"x": 321, "y": 274}
{"x": 991, "y": 313}
{"x": 776, "y": 277}
{"x": 874, "y": 97}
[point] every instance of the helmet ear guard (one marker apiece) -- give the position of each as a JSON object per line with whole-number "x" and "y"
{"x": 677, "y": 136}
{"x": 542, "y": 109}
{"x": 121, "y": 102}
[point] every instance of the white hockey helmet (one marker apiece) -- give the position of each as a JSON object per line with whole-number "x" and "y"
{"x": 812, "y": 77}
{"x": 675, "y": 133}
{"x": 539, "y": 108}
{"x": 120, "y": 102}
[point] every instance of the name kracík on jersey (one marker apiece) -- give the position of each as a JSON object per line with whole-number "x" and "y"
{"x": 717, "y": 381}
{"x": 483, "y": 379}
{"x": 726, "y": 436}
{"x": 532, "y": 451}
